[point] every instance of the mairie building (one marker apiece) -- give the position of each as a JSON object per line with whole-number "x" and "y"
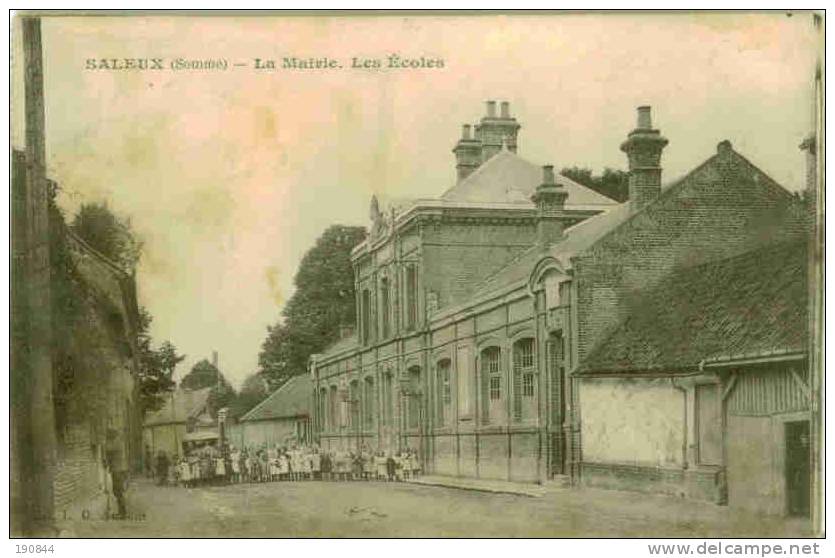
{"x": 478, "y": 312}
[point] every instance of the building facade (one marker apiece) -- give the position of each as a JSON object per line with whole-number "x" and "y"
{"x": 475, "y": 309}
{"x": 183, "y": 418}
{"x": 282, "y": 419}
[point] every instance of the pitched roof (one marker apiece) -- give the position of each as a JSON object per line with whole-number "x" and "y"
{"x": 180, "y": 406}
{"x": 290, "y": 400}
{"x": 751, "y": 305}
{"x": 508, "y": 178}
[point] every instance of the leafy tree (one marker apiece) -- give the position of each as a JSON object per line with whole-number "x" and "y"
{"x": 254, "y": 390}
{"x": 156, "y": 367}
{"x": 204, "y": 375}
{"x": 322, "y": 302}
{"x": 612, "y": 183}
{"x": 107, "y": 233}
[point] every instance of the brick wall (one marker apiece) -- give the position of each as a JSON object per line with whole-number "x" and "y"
{"x": 723, "y": 208}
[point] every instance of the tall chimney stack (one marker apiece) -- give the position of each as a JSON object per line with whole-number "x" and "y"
{"x": 551, "y": 216}
{"x": 467, "y": 153}
{"x": 214, "y": 359}
{"x": 495, "y": 131}
{"x": 643, "y": 148}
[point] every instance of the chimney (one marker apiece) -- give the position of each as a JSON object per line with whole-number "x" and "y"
{"x": 551, "y": 217}
{"x": 493, "y": 131}
{"x": 467, "y": 153}
{"x": 643, "y": 148}
{"x": 214, "y": 359}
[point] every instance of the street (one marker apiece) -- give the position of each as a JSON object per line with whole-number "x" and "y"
{"x": 375, "y": 509}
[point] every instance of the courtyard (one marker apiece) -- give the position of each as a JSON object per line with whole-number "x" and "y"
{"x": 378, "y": 509}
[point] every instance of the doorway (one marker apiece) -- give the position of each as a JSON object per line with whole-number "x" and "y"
{"x": 797, "y": 468}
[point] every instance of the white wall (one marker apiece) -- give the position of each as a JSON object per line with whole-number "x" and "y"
{"x": 638, "y": 421}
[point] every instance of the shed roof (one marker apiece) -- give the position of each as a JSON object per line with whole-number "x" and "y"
{"x": 180, "y": 406}
{"x": 290, "y": 400}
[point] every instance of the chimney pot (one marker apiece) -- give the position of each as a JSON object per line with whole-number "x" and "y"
{"x": 644, "y": 118}
{"x": 548, "y": 174}
{"x": 465, "y": 132}
{"x": 505, "y": 109}
{"x": 491, "y": 109}
{"x": 724, "y": 147}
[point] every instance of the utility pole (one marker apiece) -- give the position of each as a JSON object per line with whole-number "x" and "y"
{"x": 42, "y": 411}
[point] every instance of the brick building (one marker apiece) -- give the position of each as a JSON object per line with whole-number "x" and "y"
{"x": 475, "y": 309}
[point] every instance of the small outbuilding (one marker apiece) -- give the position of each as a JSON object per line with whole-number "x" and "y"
{"x": 281, "y": 418}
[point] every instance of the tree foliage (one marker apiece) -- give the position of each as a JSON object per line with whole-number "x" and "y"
{"x": 156, "y": 366}
{"x": 254, "y": 390}
{"x": 107, "y": 233}
{"x": 322, "y": 302}
{"x": 612, "y": 183}
{"x": 204, "y": 374}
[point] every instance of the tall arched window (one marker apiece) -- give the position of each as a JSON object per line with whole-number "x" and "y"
{"x": 370, "y": 405}
{"x": 385, "y": 310}
{"x": 443, "y": 395}
{"x": 492, "y": 409}
{"x": 365, "y": 316}
{"x": 333, "y": 411}
{"x": 353, "y": 405}
{"x": 524, "y": 380}
{"x": 411, "y": 296}
{"x": 323, "y": 418}
{"x": 413, "y": 398}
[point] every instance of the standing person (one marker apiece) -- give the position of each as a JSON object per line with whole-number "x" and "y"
{"x": 117, "y": 465}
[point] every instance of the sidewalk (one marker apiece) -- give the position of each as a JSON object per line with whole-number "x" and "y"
{"x": 482, "y": 485}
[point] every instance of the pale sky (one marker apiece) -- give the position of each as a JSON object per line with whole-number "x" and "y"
{"x": 230, "y": 176}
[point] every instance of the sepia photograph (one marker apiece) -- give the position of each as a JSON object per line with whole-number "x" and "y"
{"x": 417, "y": 274}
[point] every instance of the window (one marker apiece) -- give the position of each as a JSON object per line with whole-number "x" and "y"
{"x": 333, "y": 409}
{"x": 388, "y": 406}
{"x": 385, "y": 311}
{"x": 411, "y": 296}
{"x": 353, "y": 404}
{"x": 444, "y": 395}
{"x": 365, "y": 308}
{"x": 495, "y": 388}
{"x": 413, "y": 398}
{"x": 370, "y": 401}
{"x": 491, "y": 381}
{"x": 524, "y": 383}
{"x": 323, "y": 419}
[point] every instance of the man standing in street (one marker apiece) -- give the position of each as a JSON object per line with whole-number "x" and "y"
{"x": 117, "y": 463}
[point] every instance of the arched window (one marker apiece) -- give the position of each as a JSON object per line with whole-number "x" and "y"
{"x": 411, "y": 297}
{"x": 365, "y": 308}
{"x": 370, "y": 401}
{"x": 443, "y": 395}
{"x": 323, "y": 419}
{"x": 492, "y": 410}
{"x": 413, "y": 397}
{"x": 524, "y": 380}
{"x": 388, "y": 398}
{"x": 385, "y": 310}
{"x": 333, "y": 410}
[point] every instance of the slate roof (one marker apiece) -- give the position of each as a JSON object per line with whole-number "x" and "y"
{"x": 290, "y": 400}
{"x": 508, "y": 178}
{"x": 752, "y": 305}
{"x": 186, "y": 404}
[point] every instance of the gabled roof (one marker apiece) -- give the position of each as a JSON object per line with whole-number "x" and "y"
{"x": 748, "y": 306}
{"x": 508, "y": 178}
{"x": 180, "y": 406}
{"x": 290, "y": 400}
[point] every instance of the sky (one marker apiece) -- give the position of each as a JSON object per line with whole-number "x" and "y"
{"x": 228, "y": 177}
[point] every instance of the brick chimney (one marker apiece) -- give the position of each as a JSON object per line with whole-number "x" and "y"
{"x": 643, "y": 148}
{"x": 551, "y": 216}
{"x": 493, "y": 130}
{"x": 467, "y": 153}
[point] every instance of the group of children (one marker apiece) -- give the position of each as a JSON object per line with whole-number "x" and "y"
{"x": 272, "y": 463}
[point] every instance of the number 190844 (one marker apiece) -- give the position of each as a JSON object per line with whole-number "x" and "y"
{"x": 34, "y": 549}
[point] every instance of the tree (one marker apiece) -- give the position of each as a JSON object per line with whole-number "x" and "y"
{"x": 612, "y": 183}
{"x": 205, "y": 375}
{"x": 322, "y": 302}
{"x": 254, "y": 390}
{"x": 108, "y": 234}
{"x": 156, "y": 367}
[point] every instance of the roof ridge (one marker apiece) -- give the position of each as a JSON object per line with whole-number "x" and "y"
{"x": 480, "y": 170}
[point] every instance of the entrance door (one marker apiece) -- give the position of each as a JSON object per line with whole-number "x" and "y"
{"x": 797, "y": 468}
{"x": 556, "y": 380}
